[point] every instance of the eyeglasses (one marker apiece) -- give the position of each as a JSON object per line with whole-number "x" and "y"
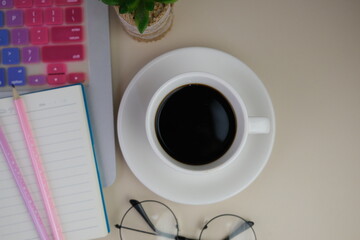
{"x": 153, "y": 220}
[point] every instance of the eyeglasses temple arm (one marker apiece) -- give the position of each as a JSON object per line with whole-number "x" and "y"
{"x": 137, "y": 205}
{"x": 246, "y": 225}
{"x": 136, "y": 230}
{"x": 183, "y": 238}
{"x": 170, "y": 236}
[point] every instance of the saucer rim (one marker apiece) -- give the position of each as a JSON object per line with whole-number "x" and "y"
{"x": 138, "y": 77}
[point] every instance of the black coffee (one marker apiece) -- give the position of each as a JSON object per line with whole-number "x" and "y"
{"x": 195, "y": 124}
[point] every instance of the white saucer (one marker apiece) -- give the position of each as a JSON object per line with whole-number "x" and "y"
{"x": 175, "y": 185}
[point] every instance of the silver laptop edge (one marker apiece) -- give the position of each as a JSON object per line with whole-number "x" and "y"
{"x": 99, "y": 92}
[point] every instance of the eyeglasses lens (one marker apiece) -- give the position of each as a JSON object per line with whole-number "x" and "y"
{"x": 161, "y": 224}
{"x": 228, "y": 227}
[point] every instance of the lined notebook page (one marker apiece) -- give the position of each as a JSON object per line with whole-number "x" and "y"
{"x": 60, "y": 125}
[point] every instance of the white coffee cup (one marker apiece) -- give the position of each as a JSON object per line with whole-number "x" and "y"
{"x": 245, "y": 125}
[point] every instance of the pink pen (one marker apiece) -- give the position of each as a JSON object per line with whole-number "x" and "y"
{"x": 38, "y": 168}
{"x": 25, "y": 194}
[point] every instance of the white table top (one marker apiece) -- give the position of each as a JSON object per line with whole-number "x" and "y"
{"x": 307, "y": 53}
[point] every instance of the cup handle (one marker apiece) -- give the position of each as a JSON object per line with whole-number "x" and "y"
{"x": 259, "y": 125}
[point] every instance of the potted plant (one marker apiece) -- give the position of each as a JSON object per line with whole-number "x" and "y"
{"x": 144, "y": 20}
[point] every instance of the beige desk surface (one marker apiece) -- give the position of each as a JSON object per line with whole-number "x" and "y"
{"x": 307, "y": 53}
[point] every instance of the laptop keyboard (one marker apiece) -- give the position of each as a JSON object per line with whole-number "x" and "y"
{"x": 42, "y": 43}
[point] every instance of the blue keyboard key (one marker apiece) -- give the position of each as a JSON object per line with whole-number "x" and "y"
{"x": 4, "y": 37}
{"x": 1, "y": 18}
{"x": 10, "y": 56}
{"x": 17, "y": 76}
{"x": 2, "y": 77}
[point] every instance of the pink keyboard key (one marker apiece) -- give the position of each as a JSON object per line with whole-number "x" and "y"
{"x": 33, "y": 17}
{"x": 66, "y": 34}
{"x": 76, "y": 77}
{"x": 56, "y": 68}
{"x": 23, "y": 3}
{"x": 73, "y": 15}
{"x": 67, "y": 2}
{"x": 39, "y": 35}
{"x": 43, "y": 3}
{"x": 56, "y": 79}
{"x": 63, "y": 53}
{"x": 53, "y": 16}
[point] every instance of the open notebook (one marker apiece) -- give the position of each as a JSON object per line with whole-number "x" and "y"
{"x": 61, "y": 127}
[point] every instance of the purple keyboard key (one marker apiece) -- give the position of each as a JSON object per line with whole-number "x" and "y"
{"x": 14, "y": 18}
{"x": 6, "y": 3}
{"x": 30, "y": 55}
{"x": 37, "y": 80}
{"x": 20, "y": 36}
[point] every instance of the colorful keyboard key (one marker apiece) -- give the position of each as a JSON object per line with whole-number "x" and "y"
{"x": 17, "y": 76}
{"x": 4, "y": 37}
{"x": 14, "y": 18}
{"x": 33, "y": 17}
{"x": 20, "y": 36}
{"x": 56, "y": 68}
{"x": 43, "y": 3}
{"x": 10, "y": 56}
{"x": 76, "y": 77}
{"x": 1, "y": 19}
{"x": 2, "y": 77}
{"x": 62, "y": 53}
{"x": 56, "y": 79}
{"x": 37, "y": 80}
{"x": 66, "y": 34}
{"x": 6, "y": 4}
{"x": 67, "y": 2}
{"x": 73, "y": 15}
{"x": 23, "y": 3}
{"x": 39, "y": 35}
{"x": 53, "y": 16}
{"x": 30, "y": 54}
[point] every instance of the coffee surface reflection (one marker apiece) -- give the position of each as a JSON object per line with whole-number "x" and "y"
{"x": 195, "y": 124}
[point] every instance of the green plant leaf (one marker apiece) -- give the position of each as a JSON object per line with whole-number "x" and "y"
{"x": 166, "y": 1}
{"x": 141, "y": 16}
{"x": 112, "y": 2}
{"x": 122, "y": 2}
{"x": 123, "y": 9}
{"x": 149, "y": 5}
{"x": 132, "y": 5}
